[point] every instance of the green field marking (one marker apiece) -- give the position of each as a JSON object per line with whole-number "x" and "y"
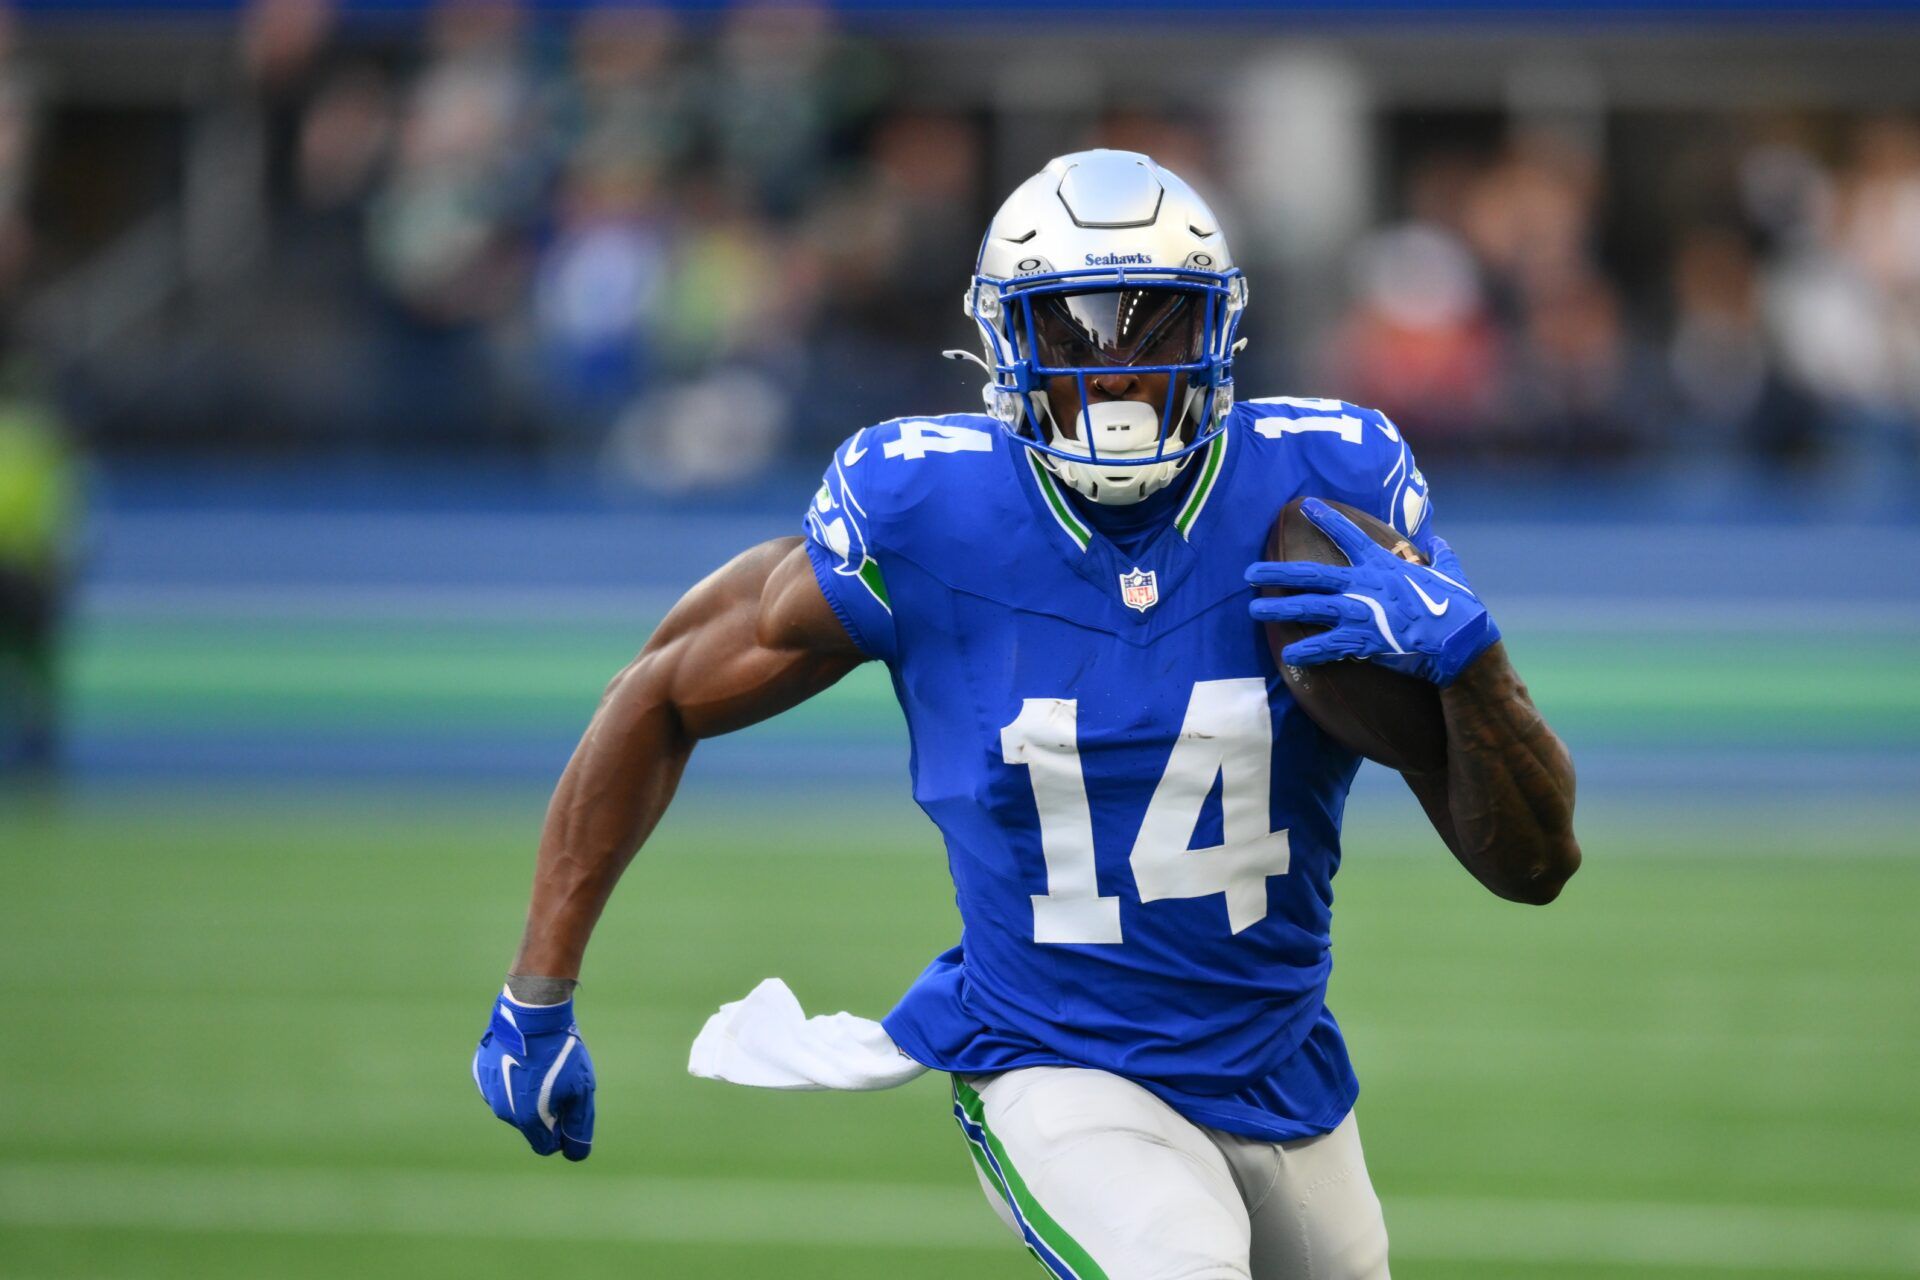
{"x": 420, "y": 677}
{"x": 217, "y": 676}
{"x": 1728, "y": 685}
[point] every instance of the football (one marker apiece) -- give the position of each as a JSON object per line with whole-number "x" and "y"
{"x": 1387, "y": 717}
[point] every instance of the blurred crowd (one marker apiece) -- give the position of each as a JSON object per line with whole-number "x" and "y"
{"x": 695, "y": 252}
{"x": 1767, "y": 306}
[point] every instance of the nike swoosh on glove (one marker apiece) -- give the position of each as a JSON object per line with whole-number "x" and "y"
{"x": 533, "y": 1070}
{"x": 1418, "y": 619}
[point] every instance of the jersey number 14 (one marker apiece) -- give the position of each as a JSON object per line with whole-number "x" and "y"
{"x": 1227, "y": 735}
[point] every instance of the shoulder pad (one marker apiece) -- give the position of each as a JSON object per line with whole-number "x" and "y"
{"x": 1357, "y": 453}
{"x": 902, "y": 462}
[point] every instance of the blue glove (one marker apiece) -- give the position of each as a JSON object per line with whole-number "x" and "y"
{"x": 1420, "y": 620}
{"x": 533, "y": 1070}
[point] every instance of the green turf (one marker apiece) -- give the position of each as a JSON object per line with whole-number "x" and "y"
{"x": 237, "y": 1036}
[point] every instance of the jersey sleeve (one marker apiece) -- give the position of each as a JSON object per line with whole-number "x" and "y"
{"x": 846, "y": 562}
{"x": 1358, "y": 457}
{"x": 1396, "y": 488}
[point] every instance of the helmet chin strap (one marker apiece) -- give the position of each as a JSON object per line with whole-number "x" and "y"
{"x": 1122, "y": 429}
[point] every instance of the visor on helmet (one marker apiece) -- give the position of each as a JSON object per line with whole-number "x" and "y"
{"x": 1118, "y": 327}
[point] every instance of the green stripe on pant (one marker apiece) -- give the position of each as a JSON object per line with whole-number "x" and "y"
{"x": 1038, "y": 1220}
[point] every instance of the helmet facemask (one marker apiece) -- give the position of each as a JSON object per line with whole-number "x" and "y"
{"x": 1087, "y": 336}
{"x": 1079, "y": 325}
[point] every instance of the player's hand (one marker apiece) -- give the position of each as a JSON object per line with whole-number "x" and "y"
{"x": 1423, "y": 620}
{"x": 533, "y": 1070}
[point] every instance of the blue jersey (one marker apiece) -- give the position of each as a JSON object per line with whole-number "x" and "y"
{"x": 1141, "y": 824}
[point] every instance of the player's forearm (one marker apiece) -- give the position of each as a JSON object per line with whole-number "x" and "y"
{"x": 1509, "y": 784}
{"x": 612, "y": 795}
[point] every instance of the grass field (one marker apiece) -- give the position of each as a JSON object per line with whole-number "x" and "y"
{"x": 237, "y": 1032}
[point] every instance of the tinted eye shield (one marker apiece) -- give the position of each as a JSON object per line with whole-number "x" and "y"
{"x": 1212, "y": 305}
{"x": 1116, "y": 328}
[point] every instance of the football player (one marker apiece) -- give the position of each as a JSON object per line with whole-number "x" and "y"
{"x": 1141, "y": 823}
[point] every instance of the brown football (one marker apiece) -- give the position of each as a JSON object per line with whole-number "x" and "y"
{"x": 1383, "y": 715}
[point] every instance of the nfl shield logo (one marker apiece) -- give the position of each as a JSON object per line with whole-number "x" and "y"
{"x": 1139, "y": 590}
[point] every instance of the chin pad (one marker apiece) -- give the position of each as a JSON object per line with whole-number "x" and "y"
{"x": 1116, "y": 428}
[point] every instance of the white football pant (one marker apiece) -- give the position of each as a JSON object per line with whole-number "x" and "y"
{"x": 1101, "y": 1178}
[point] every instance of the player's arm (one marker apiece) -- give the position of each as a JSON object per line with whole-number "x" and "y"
{"x": 753, "y": 639}
{"x": 1504, "y": 802}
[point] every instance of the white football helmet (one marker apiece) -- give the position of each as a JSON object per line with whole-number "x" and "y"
{"x": 1103, "y": 259}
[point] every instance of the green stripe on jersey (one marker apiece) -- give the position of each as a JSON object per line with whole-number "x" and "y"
{"x": 871, "y": 579}
{"x": 1057, "y": 502}
{"x": 1064, "y": 1246}
{"x": 1209, "y": 472}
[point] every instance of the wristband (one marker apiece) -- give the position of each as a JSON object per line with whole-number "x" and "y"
{"x": 532, "y": 989}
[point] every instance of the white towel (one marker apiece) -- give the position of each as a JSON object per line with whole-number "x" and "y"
{"x": 767, "y": 1041}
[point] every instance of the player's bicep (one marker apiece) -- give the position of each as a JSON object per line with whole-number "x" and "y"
{"x": 753, "y": 639}
{"x": 795, "y": 612}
